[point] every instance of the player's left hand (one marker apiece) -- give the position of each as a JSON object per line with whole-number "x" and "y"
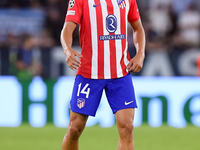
{"x": 136, "y": 63}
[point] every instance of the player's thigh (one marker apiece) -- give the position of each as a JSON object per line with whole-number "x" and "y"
{"x": 125, "y": 115}
{"x": 124, "y": 119}
{"x": 75, "y": 128}
{"x": 77, "y": 120}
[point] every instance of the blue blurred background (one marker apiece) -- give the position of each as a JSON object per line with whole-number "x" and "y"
{"x": 30, "y": 38}
{"x": 32, "y": 64}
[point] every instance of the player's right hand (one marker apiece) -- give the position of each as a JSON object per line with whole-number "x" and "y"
{"x": 71, "y": 59}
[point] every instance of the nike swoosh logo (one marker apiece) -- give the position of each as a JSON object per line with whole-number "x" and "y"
{"x": 127, "y": 103}
{"x": 96, "y": 5}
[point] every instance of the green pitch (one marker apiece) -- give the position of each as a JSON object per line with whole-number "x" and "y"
{"x": 97, "y": 138}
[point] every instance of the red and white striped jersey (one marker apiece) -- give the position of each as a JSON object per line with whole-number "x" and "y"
{"x": 103, "y": 35}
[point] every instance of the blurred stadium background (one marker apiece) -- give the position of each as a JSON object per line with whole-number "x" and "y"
{"x": 36, "y": 84}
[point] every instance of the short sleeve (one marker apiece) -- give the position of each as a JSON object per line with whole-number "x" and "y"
{"x": 74, "y": 12}
{"x": 133, "y": 14}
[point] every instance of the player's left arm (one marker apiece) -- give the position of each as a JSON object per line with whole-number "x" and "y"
{"x": 136, "y": 63}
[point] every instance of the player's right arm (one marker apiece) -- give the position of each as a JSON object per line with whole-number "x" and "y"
{"x": 66, "y": 42}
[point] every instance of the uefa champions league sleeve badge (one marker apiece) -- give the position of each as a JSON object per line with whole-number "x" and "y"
{"x": 71, "y": 3}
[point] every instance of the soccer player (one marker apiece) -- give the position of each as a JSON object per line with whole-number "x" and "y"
{"x": 104, "y": 64}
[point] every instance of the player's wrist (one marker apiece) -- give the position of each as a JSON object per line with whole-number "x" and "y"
{"x": 141, "y": 54}
{"x": 67, "y": 51}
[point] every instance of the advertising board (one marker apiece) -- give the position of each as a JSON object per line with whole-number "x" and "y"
{"x": 171, "y": 100}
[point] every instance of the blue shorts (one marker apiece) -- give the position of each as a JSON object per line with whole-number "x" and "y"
{"x": 87, "y": 94}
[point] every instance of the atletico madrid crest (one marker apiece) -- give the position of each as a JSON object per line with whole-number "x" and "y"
{"x": 121, "y": 4}
{"x": 80, "y": 102}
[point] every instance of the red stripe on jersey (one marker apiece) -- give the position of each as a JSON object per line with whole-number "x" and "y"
{"x": 123, "y": 30}
{"x": 85, "y": 43}
{"x": 100, "y": 43}
{"x": 113, "y": 65}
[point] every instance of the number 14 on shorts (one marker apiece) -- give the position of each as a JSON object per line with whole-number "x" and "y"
{"x": 85, "y": 90}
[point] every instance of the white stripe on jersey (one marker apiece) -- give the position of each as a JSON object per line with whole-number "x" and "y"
{"x": 107, "y": 67}
{"x": 118, "y": 43}
{"x": 126, "y": 61}
{"x": 93, "y": 22}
